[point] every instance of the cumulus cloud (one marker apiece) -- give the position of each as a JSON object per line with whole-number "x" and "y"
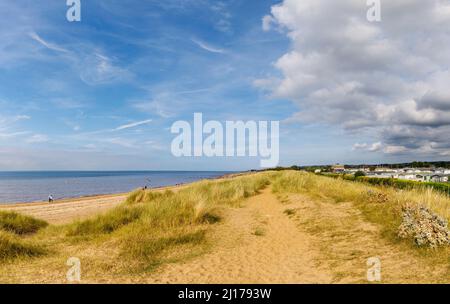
{"x": 389, "y": 78}
{"x": 371, "y": 148}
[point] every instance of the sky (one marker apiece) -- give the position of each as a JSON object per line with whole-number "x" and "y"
{"x": 102, "y": 94}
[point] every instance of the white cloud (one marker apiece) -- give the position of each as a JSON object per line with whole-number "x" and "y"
{"x": 208, "y": 47}
{"x": 121, "y": 142}
{"x": 221, "y": 16}
{"x": 386, "y": 77}
{"x": 134, "y": 124}
{"x": 375, "y": 147}
{"x": 37, "y": 138}
{"x": 4, "y": 135}
{"x": 395, "y": 149}
{"x": 98, "y": 68}
{"x": 48, "y": 45}
{"x": 267, "y": 22}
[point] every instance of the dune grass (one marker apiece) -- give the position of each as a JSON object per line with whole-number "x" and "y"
{"x": 11, "y": 246}
{"x": 150, "y": 228}
{"x": 107, "y": 223}
{"x": 156, "y": 227}
{"x": 20, "y": 224}
{"x": 179, "y": 220}
{"x": 379, "y": 204}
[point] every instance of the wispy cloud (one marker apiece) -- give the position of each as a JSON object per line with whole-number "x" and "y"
{"x": 98, "y": 68}
{"x": 222, "y": 15}
{"x": 37, "y": 138}
{"x": 5, "y": 135}
{"x": 48, "y": 45}
{"x": 134, "y": 124}
{"x": 208, "y": 47}
{"x": 7, "y": 122}
{"x": 121, "y": 142}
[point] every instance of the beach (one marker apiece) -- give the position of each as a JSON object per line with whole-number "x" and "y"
{"x": 240, "y": 228}
{"x": 35, "y": 186}
{"x": 68, "y": 210}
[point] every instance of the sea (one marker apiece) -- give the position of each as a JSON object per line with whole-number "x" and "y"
{"x": 16, "y": 187}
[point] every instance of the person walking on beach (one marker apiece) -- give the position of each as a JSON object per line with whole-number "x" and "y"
{"x": 50, "y": 198}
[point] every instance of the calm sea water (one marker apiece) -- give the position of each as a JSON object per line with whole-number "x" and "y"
{"x": 37, "y": 186}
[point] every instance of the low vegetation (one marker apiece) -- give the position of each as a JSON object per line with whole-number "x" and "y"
{"x": 157, "y": 227}
{"x": 382, "y": 205}
{"x": 149, "y": 229}
{"x": 393, "y": 182}
{"x": 290, "y": 212}
{"x": 20, "y": 224}
{"x": 11, "y": 246}
{"x": 259, "y": 231}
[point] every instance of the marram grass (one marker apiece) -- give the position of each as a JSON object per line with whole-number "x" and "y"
{"x": 157, "y": 227}
{"x": 381, "y": 205}
{"x": 11, "y": 246}
{"x": 20, "y": 224}
{"x": 149, "y": 228}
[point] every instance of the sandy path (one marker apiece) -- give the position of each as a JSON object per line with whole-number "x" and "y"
{"x": 345, "y": 241}
{"x": 317, "y": 241}
{"x": 279, "y": 254}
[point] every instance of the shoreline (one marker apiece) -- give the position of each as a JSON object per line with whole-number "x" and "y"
{"x": 106, "y": 195}
{"x": 69, "y": 209}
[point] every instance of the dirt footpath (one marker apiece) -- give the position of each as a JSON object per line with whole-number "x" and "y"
{"x": 302, "y": 241}
{"x": 255, "y": 244}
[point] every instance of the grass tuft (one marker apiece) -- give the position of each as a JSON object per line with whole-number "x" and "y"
{"x": 20, "y": 224}
{"x": 290, "y": 212}
{"x": 107, "y": 223}
{"x": 151, "y": 223}
{"x": 12, "y": 247}
{"x": 259, "y": 232}
{"x": 379, "y": 204}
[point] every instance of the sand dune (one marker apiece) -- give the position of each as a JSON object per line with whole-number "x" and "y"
{"x": 68, "y": 210}
{"x": 294, "y": 239}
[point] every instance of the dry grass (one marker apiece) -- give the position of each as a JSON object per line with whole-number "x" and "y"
{"x": 20, "y": 224}
{"x": 154, "y": 228}
{"x": 12, "y": 247}
{"x": 379, "y": 205}
{"x": 147, "y": 230}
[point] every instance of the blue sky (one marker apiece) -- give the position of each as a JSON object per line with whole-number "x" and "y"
{"x": 101, "y": 94}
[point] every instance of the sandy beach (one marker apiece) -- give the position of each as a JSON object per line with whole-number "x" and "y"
{"x": 67, "y": 210}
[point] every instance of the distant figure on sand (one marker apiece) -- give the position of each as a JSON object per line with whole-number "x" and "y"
{"x": 50, "y": 198}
